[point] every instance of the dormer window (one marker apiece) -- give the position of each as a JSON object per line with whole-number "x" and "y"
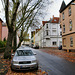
{"x": 63, "y": 16}
{"x": 55, "y": 20}
{"x": 70, "y": 25}
{"x": 70, "y": 11}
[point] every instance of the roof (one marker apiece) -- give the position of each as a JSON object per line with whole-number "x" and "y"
{"x": 37, "y": 30}
{"x": 43, "y": 22}
{"x": 55, "y": 20}
{"x": 52, "y": 20}
{"x": 1, "y": 19}
{"x": 4, "y": 24}
{"x": 63, "y": 7}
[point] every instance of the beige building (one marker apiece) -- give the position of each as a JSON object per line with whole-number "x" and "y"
{"x": 67, "y": 23}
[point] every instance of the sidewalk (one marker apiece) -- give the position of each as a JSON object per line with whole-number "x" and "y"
{"x": 70, "y": 56}
{"x": 3, "y": 65}
{"x": 5, "y": 68}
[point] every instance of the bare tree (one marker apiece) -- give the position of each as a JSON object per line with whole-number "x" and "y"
{"x": 19, "y": 15}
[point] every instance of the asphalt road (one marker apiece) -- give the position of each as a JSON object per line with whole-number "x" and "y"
{"x": 54, "y": 65}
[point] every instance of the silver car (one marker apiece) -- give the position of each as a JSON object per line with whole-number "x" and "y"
{"x": 24, "y": 59}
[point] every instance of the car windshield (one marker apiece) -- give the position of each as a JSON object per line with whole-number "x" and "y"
{"x": 23, "y": 53}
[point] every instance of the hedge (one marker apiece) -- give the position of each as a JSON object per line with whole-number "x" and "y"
{"x": 2, "y": 49}
{"x": 2, "y": 44}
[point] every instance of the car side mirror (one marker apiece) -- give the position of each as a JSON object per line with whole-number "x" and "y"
{"x": 12, "y": 54}
{"x": 34, "y": 53}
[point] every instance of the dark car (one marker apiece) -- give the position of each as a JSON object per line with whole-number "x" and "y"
{"x": 60, "y": 47}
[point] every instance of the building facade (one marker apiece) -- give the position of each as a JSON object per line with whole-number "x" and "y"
{"x": 49, "y": 34}
{"x": 67, "y": 23}
{"x": 3, "y": 30}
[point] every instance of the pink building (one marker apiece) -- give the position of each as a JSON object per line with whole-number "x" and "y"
{"x": 3, "y": 30}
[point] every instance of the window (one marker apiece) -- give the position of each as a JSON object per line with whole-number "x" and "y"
{"x": 46, "y": 25}
{"x": 60, "y": 43}
{"x": 69, "y": 11}
{"x": 55, "y": 20}
{"x": 60, "y": 26}
{"x": 64, "y": 42}
{"x": 46, "y": 32}
{"x": 54, "y": 43}
{"x": 63, "y": 16}
{"x": 54, "y": 31}
{"x": 70, "y": 25}
{"x": 60, "y": 18}
{"x": 71, "y": 41}
{"x": 63, "y": 28}
{"x": 60, "y": 33}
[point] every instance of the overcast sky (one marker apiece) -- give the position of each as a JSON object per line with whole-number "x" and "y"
{"x": 53, "y": 10}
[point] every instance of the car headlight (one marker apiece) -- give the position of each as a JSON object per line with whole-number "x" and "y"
{"x": 15, "y": 62}
{"x": 34, "y": 61}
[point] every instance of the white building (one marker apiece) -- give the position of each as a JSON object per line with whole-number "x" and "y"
{"x": 51, "y": 30}
{"x": 49, "y": 34}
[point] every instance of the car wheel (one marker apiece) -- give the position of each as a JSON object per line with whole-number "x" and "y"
{"x": 37, "y": 68}
{"x": 12, "y": 68}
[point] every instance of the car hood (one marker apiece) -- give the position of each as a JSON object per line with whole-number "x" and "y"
{"x": 24, "y": 58}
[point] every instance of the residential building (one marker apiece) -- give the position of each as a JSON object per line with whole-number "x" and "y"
{"x": 26, "y": 41}
{"x": 67, "y": 23}
{"x": 32, "y": 41}
{"x": 3, "y": 30}
{"x": 49, "y": 34}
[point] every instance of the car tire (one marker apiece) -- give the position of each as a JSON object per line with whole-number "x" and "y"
{"x": 37, "y": 68}
{"x": 12, "y": 69}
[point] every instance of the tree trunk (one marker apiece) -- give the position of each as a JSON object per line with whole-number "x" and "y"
{"x": 14, "y": 42}
{"x": 20, "y": 41}
{"x": 7, "y": 53}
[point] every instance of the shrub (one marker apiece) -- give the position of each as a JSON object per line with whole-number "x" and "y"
{"x": 7, "y": 55}
{"x": 2, "y": 44}
{"x": 2, "y": 50}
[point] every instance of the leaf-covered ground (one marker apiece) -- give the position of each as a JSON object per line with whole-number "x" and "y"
{"x": 70, "y": 56}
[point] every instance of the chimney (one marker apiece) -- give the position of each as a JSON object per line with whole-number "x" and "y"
{"x": 53, "y": 16}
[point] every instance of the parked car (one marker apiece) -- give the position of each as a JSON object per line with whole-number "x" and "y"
{"x": 24, "y": 59}
{"x": 60, "y": 47}
{"x": 36, "y": 46}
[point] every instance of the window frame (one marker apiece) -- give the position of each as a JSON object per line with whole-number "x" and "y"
{"x": 71, "y": 42}
{"x": 69, "y": 10}
{"x": 47, "y": 26}
{"x": 47, "y": 33}
{"x": 70, "y": 24}
{"x": 64, "y": 43}
{"x": 63, "y": 16}
{"x": 63, "y": 28}
{"x": 54, "y": 43}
